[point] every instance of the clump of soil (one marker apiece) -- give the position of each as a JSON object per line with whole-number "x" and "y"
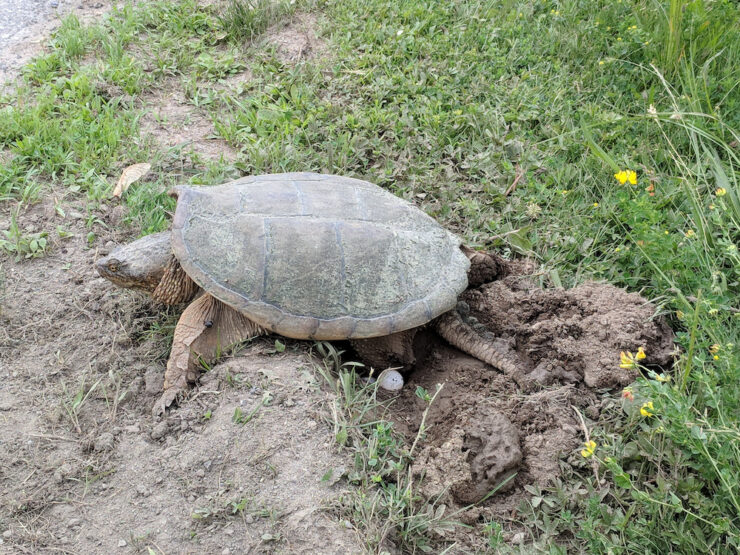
{"x": 491, "y": 432}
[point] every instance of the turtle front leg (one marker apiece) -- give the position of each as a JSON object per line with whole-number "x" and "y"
{"x": 206, "y": 328}
{"x": 484, "y": 267}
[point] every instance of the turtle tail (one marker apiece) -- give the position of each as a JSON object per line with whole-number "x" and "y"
{"x": 459, "y": 334}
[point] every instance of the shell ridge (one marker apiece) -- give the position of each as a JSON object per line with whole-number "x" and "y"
{"x": 342, "y": 268}
{"x": 301, "y": 197}
{"x": 265, "y": 255}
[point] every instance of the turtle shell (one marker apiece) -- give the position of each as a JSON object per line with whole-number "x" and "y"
{"x": 314, "y": 256}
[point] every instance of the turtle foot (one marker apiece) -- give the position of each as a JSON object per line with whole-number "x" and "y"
{"x": 167, "y": 399}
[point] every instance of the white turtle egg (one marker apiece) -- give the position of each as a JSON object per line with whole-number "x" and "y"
{"x": 390, "y": 380}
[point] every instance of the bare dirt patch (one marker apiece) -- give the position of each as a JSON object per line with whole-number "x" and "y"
{"x": 29, "y": 42}
{"x": 85, "y": 468}
{"x": 174, "y": 123}
{"x": 296, "y": 41}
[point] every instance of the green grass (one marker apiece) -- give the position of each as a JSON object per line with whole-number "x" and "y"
{"x": 451, "y": 104}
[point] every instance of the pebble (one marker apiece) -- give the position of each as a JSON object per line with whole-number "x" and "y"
{"x": 72, "y": 522}
{"x": 104, "y": 442}
{"x": 7, "y": 534}
{"x": 153, "y": 381}
{"x": 518, "y": 538}
{"x": 249, "y": 519}
{"x": 200, "y": 473}
{"x": 121, "y": 543}
{"x": 225, "y": 551}
{"x": 160, "y": 430}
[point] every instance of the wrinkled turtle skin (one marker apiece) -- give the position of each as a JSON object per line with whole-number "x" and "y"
{"x": 313, "y": 256}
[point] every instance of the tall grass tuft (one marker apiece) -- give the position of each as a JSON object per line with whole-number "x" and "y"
{"x": 672, "y": 46}
{"x": 243, "y": 20}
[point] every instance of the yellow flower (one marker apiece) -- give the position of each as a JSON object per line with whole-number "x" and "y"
{"x": 714, "y": 349}
{"x": 690, "y": 233}
{"x": 640, "y": 353}
{"x": 720, "y": 192}
{"x": 662, "y": 378}
{"x": 646, "y": 409}
{"x": 623, "y": 176}
{"x": 627, "y": 360}
{"x": 680, "y": 315}
{"x": 716, "y": 357}
{"x": 596, "y": 204}
{"x": 590, "y": 447}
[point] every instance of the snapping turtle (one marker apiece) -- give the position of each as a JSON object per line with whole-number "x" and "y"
{"x": 307, "y": 256}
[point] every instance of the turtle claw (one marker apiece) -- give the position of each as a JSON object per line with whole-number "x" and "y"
{"x": 166, "y": 400}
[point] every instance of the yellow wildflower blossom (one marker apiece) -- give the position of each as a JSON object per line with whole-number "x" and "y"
{"x": 623, "y": 176}
{"x": 690, "y": 233}
{"x": 662, "y": 378}
{"x": 646, "y": 409}
{"x": 590, "y": 447}
{"x": 596, "y": 204}
{"x": 627, "y": 360}
{"x": 720, "y": 192}
{"x": 714, "y": 349}
{"x": 640, "y": 353}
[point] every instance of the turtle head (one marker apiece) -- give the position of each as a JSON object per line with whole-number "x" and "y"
{"x": 138, "y": 265}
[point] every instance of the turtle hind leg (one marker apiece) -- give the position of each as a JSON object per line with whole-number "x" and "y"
{"x": 403, "y": 349}
{"x": 484, "y": 267}
{"x": 206, "y": 328}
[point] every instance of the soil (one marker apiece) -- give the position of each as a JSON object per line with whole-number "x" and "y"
{"x": 487, "y": 434}
{"x": 85, "y": 467}
{"x": 247, "y": 463}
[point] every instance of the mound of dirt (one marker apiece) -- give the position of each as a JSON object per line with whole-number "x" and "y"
{"x": 490, "y": 432}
